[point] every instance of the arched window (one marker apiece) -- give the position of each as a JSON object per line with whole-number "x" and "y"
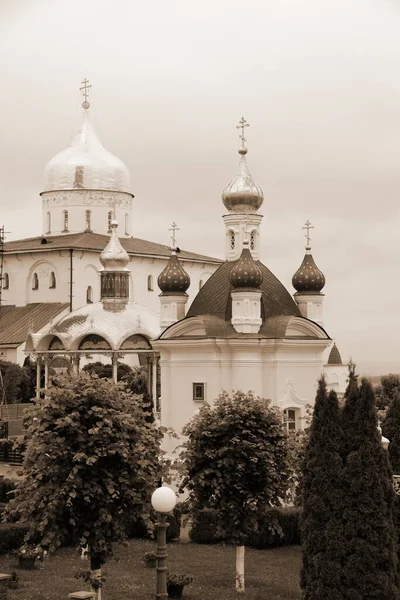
{"x": 109, "y": 219}
{"x": 150, "y": 283}
{"x": 65, "y": 220}
{"x": 48, "y": 222}
{"x": 87, "y": 220}
{"x": 253, "y": 237}
{"x": 35, "y": 282}
{"x": 126, "y": 224}
{"x": 89, "y": 295}
{"x": 6, "y": 281}
{"x": 232, "y": 239}
{"x": 52, "y": 281}
{"x": 201, "y": 284}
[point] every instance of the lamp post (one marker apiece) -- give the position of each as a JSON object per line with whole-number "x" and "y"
{"x": 163, "y": 501}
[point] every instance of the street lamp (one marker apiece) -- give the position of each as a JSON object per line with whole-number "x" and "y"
{"x": 163, "y": 501}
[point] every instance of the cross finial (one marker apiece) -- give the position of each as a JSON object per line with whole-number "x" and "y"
{"x": 242, "y": 124}
{"x": 85, "y": 93}
{"x": 174, "y": 228}
{"x": 308, "y": 226}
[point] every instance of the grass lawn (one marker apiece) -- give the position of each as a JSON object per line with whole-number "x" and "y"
{"x": 270, "y": 574}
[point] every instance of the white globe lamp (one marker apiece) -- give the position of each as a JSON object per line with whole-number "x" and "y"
{"x": 163, "y": 500}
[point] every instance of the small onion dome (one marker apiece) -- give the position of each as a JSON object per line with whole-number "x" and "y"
{"x": 173, "y": 279}
{"x": 243, "y": 194}
{"x": 308, "y": 278}
{"x": 334, "y": 356}
{"x": 246, "y": 273}
{"x": 114, "y": 257}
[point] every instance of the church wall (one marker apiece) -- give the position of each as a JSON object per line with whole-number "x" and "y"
{"x": 21, "y": 269}
{"x": 263, "y": 366}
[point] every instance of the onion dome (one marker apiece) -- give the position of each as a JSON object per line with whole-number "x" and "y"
{"x": 334, "y": 356}
{"x": 243, "y": 194}
{"x": 114, "y": 257}
{"x": 86, "y": 164}
{"x": 308, "y": 278}
{"x": 246, "y": 273}
{"x": 173, "y": 279}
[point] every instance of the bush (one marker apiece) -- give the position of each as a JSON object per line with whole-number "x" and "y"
{"x": 12, "y": 536}
{"x": 6, "y": 486}
{"x": 287, "y": 518}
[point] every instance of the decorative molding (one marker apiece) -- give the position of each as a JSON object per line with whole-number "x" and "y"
{"x": 64, "y": 198}
{"x": 290, "y": 398}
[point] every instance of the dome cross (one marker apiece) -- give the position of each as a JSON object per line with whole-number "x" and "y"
{"x": 242, "y": 124}
{"x": 85, "y": 92}
{"x": 308, "y": 226}
{"x": 174, "y": 228}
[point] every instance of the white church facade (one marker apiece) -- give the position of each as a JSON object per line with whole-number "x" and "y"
{"x": 86, "y": 289}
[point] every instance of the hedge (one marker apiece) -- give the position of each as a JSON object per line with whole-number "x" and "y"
{"x": 204, "y": 526}
{"x": 12, "y": 536}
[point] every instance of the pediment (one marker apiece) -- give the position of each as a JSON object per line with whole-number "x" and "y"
{"x": 189, "y": 327}
{"x": 302, "y": 327}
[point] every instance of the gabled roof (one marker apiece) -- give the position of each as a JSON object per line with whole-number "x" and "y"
{"x": 214, "y": 298}
{"x": 17, "y": 321}
{"x": 96, "y": 242}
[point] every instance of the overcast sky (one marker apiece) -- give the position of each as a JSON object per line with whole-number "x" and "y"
{"x": 319, "y": 83}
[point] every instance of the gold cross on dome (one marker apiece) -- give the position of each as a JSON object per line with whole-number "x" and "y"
{"x": 308, "y": 226}
{"x": 242, "y": 124}
{"x": 85, "y": 92}
{"x": 174, "y": 228}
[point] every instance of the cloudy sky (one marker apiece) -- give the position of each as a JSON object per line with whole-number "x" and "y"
{"x": 319, "y": 82}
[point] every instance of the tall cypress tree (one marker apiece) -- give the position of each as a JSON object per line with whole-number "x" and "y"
{"x": 391, "y": 430}
{"x": 322, "y": 532}
{"x": 369, "y": 568}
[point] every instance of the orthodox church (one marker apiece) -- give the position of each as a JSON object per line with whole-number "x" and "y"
{"x": 43, "y": 278}
{"x": 85, "y": 290}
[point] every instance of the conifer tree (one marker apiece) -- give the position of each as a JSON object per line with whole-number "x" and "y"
{"x": 369, "y": 567}
{"x": 391, "y": 430}
{"x": 322, "y": 530}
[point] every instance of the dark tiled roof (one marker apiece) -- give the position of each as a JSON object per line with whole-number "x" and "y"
{"x": 334, "y": 356}
{"x": 97, "y": 243}
{"x": 17, "y": 321}
{"x": 214, "y": 298}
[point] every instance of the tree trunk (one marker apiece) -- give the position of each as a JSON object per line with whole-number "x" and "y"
{"x": 240, "y": 569}
{"x": 95, "y": 567}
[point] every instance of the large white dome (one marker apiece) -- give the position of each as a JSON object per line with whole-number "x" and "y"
{"x": 86, "y": 164}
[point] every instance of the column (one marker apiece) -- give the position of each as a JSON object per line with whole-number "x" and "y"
{"x": 114, "y": 361}
{"x": 46, "y": 370}
{"x": 75, "y": 364}
{"x": 38, "y": 365}
{"x": 154, "y": 382}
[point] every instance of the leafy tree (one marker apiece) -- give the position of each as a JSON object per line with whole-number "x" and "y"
{"x": 321, "y": 524}
{"x": 104, "y": 371}
{"x": 14, "y": 383}
{"x": 235, "y": 461}
{"x": 391, "y": 385}
{"x": 369, "y": 568}
{"x": 92, "y": 459}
